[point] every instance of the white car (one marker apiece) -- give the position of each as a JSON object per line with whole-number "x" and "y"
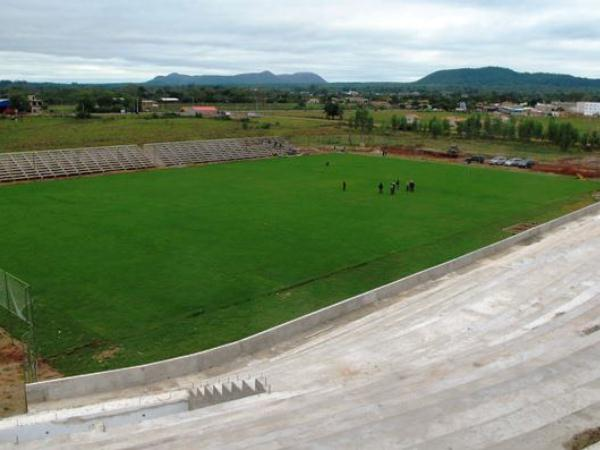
{"x": 498, "y": 161}
{"x": 514, "y": 162}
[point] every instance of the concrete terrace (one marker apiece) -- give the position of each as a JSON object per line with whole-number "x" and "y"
{"x": 503, "y": 355}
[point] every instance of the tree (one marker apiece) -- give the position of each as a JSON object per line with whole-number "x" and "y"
{"x": 85, "y": 107}
{"x": 497, "y": 127}
{"x": 552, "y": 131}
{"x": 435, "y": 127}
{"x": 487, "y": 127}
{"x": 567, "y": 136}
{"x": 446, "y": 128}
{"x": 333, "y": 110}
{"x": 363, "y": 121}
{"x": 18, "y": 101}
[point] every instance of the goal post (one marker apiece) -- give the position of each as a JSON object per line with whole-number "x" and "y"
{"x": 15, "y": 297}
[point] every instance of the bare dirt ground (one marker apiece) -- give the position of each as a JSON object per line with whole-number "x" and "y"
{"x": 582, "y": 167}
{"x": 587, "y": 167}
{"x": 12, "y": 388}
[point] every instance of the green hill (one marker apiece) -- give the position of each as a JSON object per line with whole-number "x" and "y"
{"x": 498, "y": 77}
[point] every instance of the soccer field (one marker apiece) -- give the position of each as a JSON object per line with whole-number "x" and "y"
{"x": 132, "y": 268}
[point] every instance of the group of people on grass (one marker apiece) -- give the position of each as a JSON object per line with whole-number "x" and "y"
{"x": 395, "y": 186}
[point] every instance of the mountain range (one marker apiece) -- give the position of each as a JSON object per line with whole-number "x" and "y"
{"x": 480, "y": 78}
{"x": 265, "y": 78}
{"x": 484, "y": 78}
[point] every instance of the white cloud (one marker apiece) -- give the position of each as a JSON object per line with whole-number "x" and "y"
{"x": 379, "y": 40}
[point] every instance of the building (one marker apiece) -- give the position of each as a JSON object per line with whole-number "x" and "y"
{"x": 35, "y": 104}
{"x": 381, "y": 104}
{"x": 462, "y": 107}
{"x": 313, "y": 101}
{"x": 5, "y": 106}
{"x": 200, "y": 111}
{"x": 567, "y": 107}
{"x": 149, "y": 105}
{"x": 512, "y": 109}
{"x": 357, "y": 100}
{"x": 545, "y": 109}
{"x": 588, "y": 108}
{"x": 169, "y": 100}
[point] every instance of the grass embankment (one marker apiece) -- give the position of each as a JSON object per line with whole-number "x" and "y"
{"x": 308, "y": 128}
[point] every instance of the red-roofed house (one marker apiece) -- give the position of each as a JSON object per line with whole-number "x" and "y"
{"x": 204, "y": 111}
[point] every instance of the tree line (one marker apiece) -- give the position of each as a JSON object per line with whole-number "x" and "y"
{"x": 561, "y": 133}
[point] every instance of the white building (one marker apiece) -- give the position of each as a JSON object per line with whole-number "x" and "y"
{"x": 588, "y": 108}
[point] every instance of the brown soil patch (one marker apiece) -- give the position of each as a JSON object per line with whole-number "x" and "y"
{"x": 420, "y": 153}
{"x": 12, "y": 387}
{"x": 583, "y": 168}
{"x": 584, "y": 439}
{"x": 520, "y": 227}
{"x": 107, "y": 354}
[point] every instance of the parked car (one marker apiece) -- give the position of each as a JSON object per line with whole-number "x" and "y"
{"x": 526, "y": 164}
{"x": 498, "y": 161}
{"x": 514, "y": 162}
{"x": 475, "y": 159}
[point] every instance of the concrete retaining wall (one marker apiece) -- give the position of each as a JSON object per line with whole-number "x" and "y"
{"x": 185, "y": 365}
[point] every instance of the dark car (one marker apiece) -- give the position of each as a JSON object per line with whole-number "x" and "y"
{"x": 475, "y": 159}
{"x": 525, "y": 164}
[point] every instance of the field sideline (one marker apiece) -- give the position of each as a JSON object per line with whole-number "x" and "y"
{"x": 136, "y": 267}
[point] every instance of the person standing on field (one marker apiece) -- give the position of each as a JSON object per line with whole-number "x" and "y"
{"x": 380, "y": 187}
{"x": 344, "y": 186}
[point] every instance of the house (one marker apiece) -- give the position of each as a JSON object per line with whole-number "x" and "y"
{"x": 35, "y": 104}
{"x": 200, "y": 111}
{"x": 313, "y": 101}
{"x": 149, "y": 105}
{"x": 357, "y": 100}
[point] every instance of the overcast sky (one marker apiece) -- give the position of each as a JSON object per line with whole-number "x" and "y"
{"x": 351, "y": 40}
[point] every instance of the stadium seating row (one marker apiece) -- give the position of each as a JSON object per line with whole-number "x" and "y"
{"x": 196, "y": 152}
{"x": 83, "y": 161}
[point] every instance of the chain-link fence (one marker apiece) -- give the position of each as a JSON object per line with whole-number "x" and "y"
{"x": 15, "y": 298}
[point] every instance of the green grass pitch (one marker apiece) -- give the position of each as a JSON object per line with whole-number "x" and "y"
{"x": 163, "y": 263}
